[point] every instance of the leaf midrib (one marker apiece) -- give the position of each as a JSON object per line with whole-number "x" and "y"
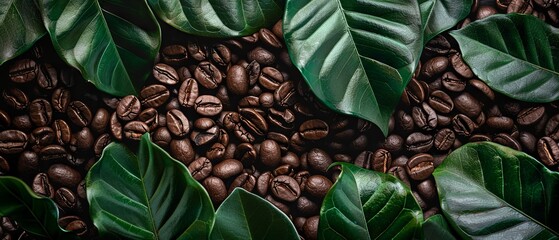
{"x": 148, "y": 202}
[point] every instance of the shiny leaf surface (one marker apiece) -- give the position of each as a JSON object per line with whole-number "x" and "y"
{"x": 436, "y": 227}
{"x": 441, "y": 15}
{"x": 490, "y": 191}
{"x": 147, "y": 195}
{"x": 357, "y": 56}
{"x": 244, "y": 215}
{"x": 218, "y": 18}
{"x": 517, "y": 55}
{"x": 364, "y": 204}
{"x": 37, "y": 215}
{"x": 20, "y": 27}
{"x": 113, "y": 43}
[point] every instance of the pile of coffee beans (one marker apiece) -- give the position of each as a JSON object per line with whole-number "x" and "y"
{"x": 546, "y": 10}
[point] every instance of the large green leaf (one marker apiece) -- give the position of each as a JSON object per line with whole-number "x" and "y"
{"x": 357, "y": 56}
{"x": 244, "y": 215}
{"x": 517, "y": 55}
{"x": 147, "y": 196}
{"x": 37, "y": 215}
{"x": 112, "y": 42}
{"x": 436, "y": 227}
{"x": 490, "y": 191}
{"x": 440, "y": 15}
{"x": 365, "y": 204}
{"x": 218, "y": 18}
{"x": 20, "y": 27}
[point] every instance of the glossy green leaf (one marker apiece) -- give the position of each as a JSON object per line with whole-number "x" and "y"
{"x": 357, "y": 56}
{"x": 440, "y": 15}
{"x": 218, "y": 18}
{"x": 436, "y": 228}
{"x": 20, "y": 27}
{"x": 490, "y": 191}
{"x": 113, "y": 43}
{"x": 365, "y": 204}
{"x": 516, "y": 55}
{"x": 244, "y": 215}
{"x": 37, "y": 215}
{"x": 146, "y": 196}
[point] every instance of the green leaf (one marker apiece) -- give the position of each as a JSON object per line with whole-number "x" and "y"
{"x": 365, "y": 204}
{"x": 35, "y": 214}
{"x": 516, "y": 55}
{"x": 218, "y": 18}
{"x": 244, "y": 215}
{"x": 112, "y": 42}
{"x": 436, "y": 227}
{"x": 21, "y": 27}
{"x": 490, "y": 191}
{"x": 440, "y": 15}
{"x": 147, "y": 196}
{"x": 357, "y": 56}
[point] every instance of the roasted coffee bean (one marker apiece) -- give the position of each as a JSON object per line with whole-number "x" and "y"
{"x": 463, "y": 125}
{"x": 253, "y": 71}
{"x": 52, "y": 153}
{"x": 40, "y": 112}
{"x": 482, "y": 90}
{"x": 161, "y": 137}
{"x": 204, "y": 137}
{"x": 215, "y": 152}
{"x": 42, "y": 136}
{"x": 60, "y": 99}
{"x": 100, "y": 120}
{"x": 317, "y": 186}
{"x": 28, "y": 164}
{"x": 208, "y": 105}
{"x": 196, "y": 51}
{"x": 285, "y": 188}
{"x": 507, "y": 140}
{"x": 4, "y": 166}
{"x": 174, "y": 54}
{"x": 424, "y": 117}
{"x": 237, "y": 80}
{"x": 439, "y": 45}
{"x": 314, "y": 129}
{"x": 22, "y": 122}
{"x": 134, "y": 130}
{"x": 414, "y": 93}
{"x": 128, "y": 108}
{"x": 246, "y": 153}
{"x": 12, "y": 141}
{"x": 182, "y": 150}
{"x": 278, "y": 204}
{"x": 282, "y": 119}
{"x": 365, "y": 160}
{"x": 400, "y": 173}
{"x": 78, "y": 227}
{"x": 318, "y": 160}
{"x": 285, "y": 94}
{"x": 468, "y": 105}
{"x": 253, "y": 121}
{"x": 66, "y": 199}
{"x": 427, "y": 190}
{"x": 527, "y": 141}
{"x": 548, "y": 151}
{"x": 245, "y": 180}
{"x": 154, "y": 95}
{"x": 460, "y": 66}
{"x": 262, "y": 56}
{"x": 266, "y": 100}
{"x": 530, "y": 115}
{"x": 552, "y": 127}
{"x": 216, "y": 189}
{"x": 500, "y": 123}
{"x": 307, "y": 207}
{"x": 177, "y": 123}
{"x": 100, "y": 143}
{"x": 208, "y": 75}
{"x": 284, "y": 170}
{"x": 269, "y": 38}
{"x": 382, "y": 159}
{"x": 405, "y": 121}
{"x": 5, "y": 120}
{"x": 263, "y": 183}
{"x": 310, "y": 228}
{"x": 116, "y": 127}
{"x": 83, "y": 139}
{"x": 249, "y": 102}
{"x": 441, "y": 102}
{"x": 418, "y": 142}
{"x": 150, "y": 117}
{"x": 63, "y": 175}
{"x": 79, "y": 113}
{"x": 41, "y": 185}
{"x": 433, "y": 67}
{"x": 47, "y": 77}
{"x": 188, "y": 92}
{"x": 200, "y": 168}
{"x": 453, "y": 83}
{"x": 23, "y": 70}
{"x": 520, "y": 6}
{"x": 165, "y": 74}
{"x": 270, "y": 153}
{"x": 420, "y": 166}
{"x": 444, "y": 139}
{"x": 270, "y": 78}
{"x": 227, "y": 168}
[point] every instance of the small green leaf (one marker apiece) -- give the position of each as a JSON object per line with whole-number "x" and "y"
{"x": 146, "y": 196}
{"x": 436, "y": 228}
{"x": 36, "y": 215}
{"x": 356, "y": 56}
{"x": 516, "y": 55}
{"x": 440, "y": 15}
{"x": 112, "y": 42}
{"x": 218, "y": 18}
{"x": 20, "y": 28}
{"x": 244, "y": 215}
{"x": 490, "y": 191}
{"x": 365, "y": 204}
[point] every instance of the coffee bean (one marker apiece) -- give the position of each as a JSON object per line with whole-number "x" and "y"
{"x": 227, "y": 168}
{"x": 405, "y": 121}
{"x": 63, "y": 175}
{"x": 162, "y": 137}
{"x": 42, "y": 136}
{"x": 262, "y": 56}
{"x": 463, "y": 125}
{"x": 116, "y": 127}
{"x": 182, "y": 150}
{"x": 60, "y": 99}
{"x": 28, "y": 164}
{"x": 266, "y": 99}
{"x": 527, "y": 141}
{"x": 177, "y": 123}
{"x": 66, "y": 199}
{"x": 246, "y": 153}
{"x": 78, "y": 227}
{"x": 418, "y": 142}
{"x": 53, "y": 153}
{"x": 15, "y": 98}
{"x": 285, "y": 94}
{"x": 424, "y": 117}
{"x": 216, "y": 189}
{"x": 4, "y": 166}
{"x": 5, "y": 120}
{"x": 548, "y": 151}
{"x": 420, "y": 166}
{"x": 150, "y": 117}
{"x": 444, "y": 139}
{"x": 285, "y": 188}
{"x": 460, "y": 66}
{"x": 439, "y": 45}
{"x": 314, "y": 129}
{"x": 249, "y": 102}
{"x": 40, "y": 112}
{"x": 270, "y": 78}
{"x": 200, "y": 168}
{"x": 208, "y": 75}
{"x": 215, "y": 152}
{"x": 188, "y": 92}
{"x": 237, "y": 80}
{"x": 434, "y": 67}
{"x": 154, "y": 95}
{"x": 365, "y": 159}
{"x": 282, "y": 119}
{"x": 23, "y": 70}
{"x": 530, "y": 115}
{"x": 400, "y": 173}
{"x": 100, "y": 143}
{"x": 263, "y": 183}
{"x": 41, "y": 185}
{"x": 318, "y": 160}
{"x": 12, "y": 141}
{"x": 220, "y": 54}
{"x": 134, "y": 130}
{"x": 253, "y": 72}
{"x": 253, "y": 121}
{"x": 245, "y": 180}
{"x": 468, "y": 105}
{"x": 507, "y": 140}
{"x": 310, "y": 229}
{"x": 196, "y": 51}
{"x": 307, "y": 207}
{"x": 278, "y": 204}
{"x": 174, "y": 55}
{"x": 482, "y": 90}
{"x": 441, "y": 102}
{"x": 520, "y": 6}
{"x": 207, "y": 105}
{"x": 128, "y": 108}
{"x": 270, "y": 153}
{"x": 427, "y": 190}
{"x": 205, "y": 135}
{"x": 414, "y": 93}
{"x": 269, "y": 38}
{"x": 47, "y": 77}
{"x": 382, "y": 159}
{"x": 500, "y": 123}
{"x": 165, "y": 74}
